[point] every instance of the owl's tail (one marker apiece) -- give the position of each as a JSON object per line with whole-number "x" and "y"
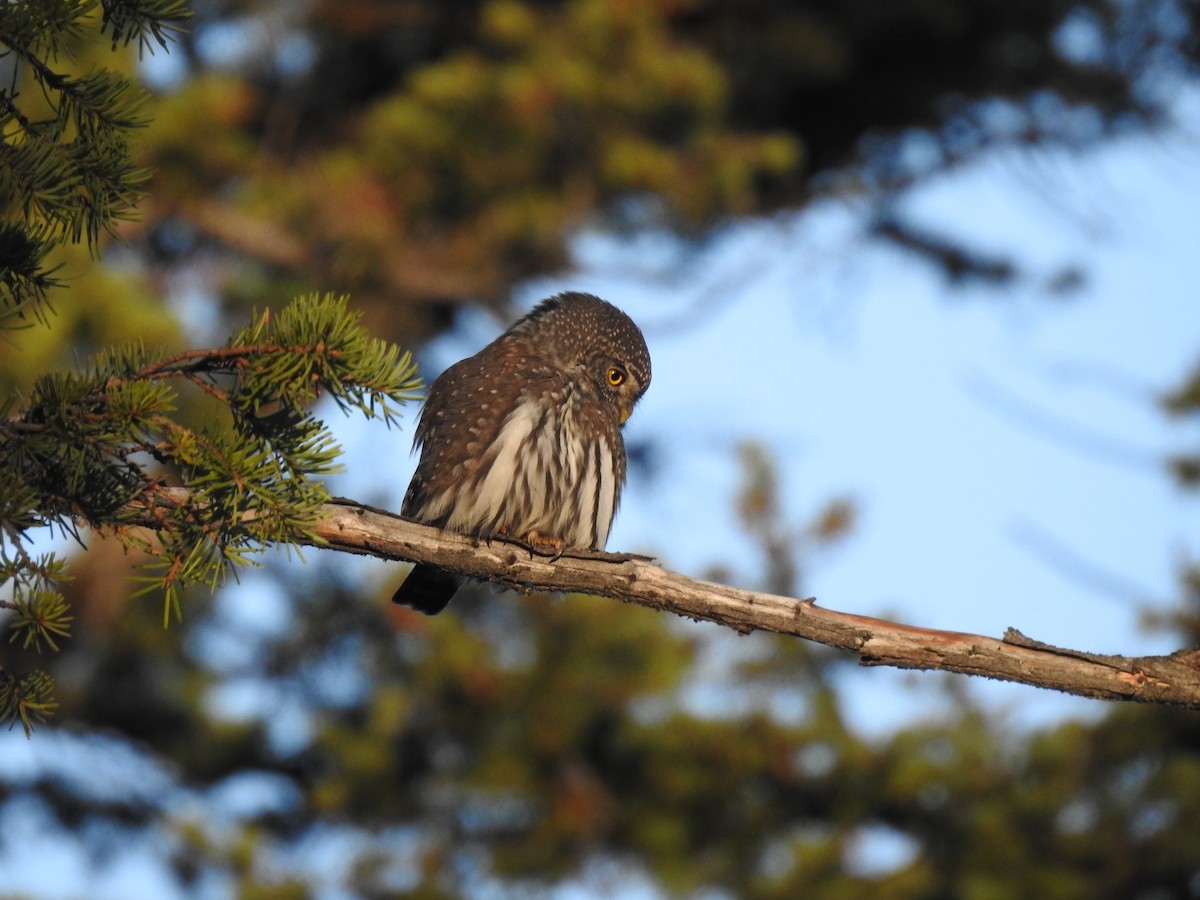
{"x": 427, "y": 589}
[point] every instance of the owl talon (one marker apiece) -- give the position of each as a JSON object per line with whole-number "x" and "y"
{"x": 544, "y": 544}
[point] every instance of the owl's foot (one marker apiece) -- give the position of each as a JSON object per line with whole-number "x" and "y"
{"x": 544, "y": 544}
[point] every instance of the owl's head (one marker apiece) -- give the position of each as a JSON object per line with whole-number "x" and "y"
{"x": 594, "y": 341}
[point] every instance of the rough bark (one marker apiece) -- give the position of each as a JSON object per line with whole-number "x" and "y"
{"x": 1173, "y": 679}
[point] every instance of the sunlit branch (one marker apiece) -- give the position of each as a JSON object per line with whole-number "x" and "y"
{"x": 1175, "y": 679}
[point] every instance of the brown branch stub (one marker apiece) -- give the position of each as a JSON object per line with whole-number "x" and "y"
{"x": 1173, "y": 679}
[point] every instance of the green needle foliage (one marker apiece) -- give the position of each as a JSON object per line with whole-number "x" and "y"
{"x": 28, "y": 699}
{"x": 103, "y": 448}
{"x": 67, "y": 170}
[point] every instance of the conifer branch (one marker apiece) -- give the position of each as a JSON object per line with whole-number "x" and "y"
{"x": 97, "y": 448}
{"x": 72, "y": 174}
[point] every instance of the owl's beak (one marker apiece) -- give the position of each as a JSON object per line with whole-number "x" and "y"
{"x": 626, "y": 412}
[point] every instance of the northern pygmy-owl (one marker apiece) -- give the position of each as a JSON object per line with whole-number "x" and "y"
{"x": 523, "y": 439}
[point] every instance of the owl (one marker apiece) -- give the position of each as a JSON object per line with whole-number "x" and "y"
{"x": 523, "y": 439}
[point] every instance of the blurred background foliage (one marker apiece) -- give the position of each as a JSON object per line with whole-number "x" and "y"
{"x": 425, "y": 157}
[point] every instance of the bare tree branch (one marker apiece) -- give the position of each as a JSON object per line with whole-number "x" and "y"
{"x": 1173, "y": 679}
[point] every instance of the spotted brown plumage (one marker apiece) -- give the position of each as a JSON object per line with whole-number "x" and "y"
{"x": 523, "y": 439}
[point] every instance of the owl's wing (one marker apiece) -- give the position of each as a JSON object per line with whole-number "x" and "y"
{"x": 463, "y": 415}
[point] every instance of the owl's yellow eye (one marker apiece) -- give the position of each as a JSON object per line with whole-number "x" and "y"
{"x": 615, "y": 376}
